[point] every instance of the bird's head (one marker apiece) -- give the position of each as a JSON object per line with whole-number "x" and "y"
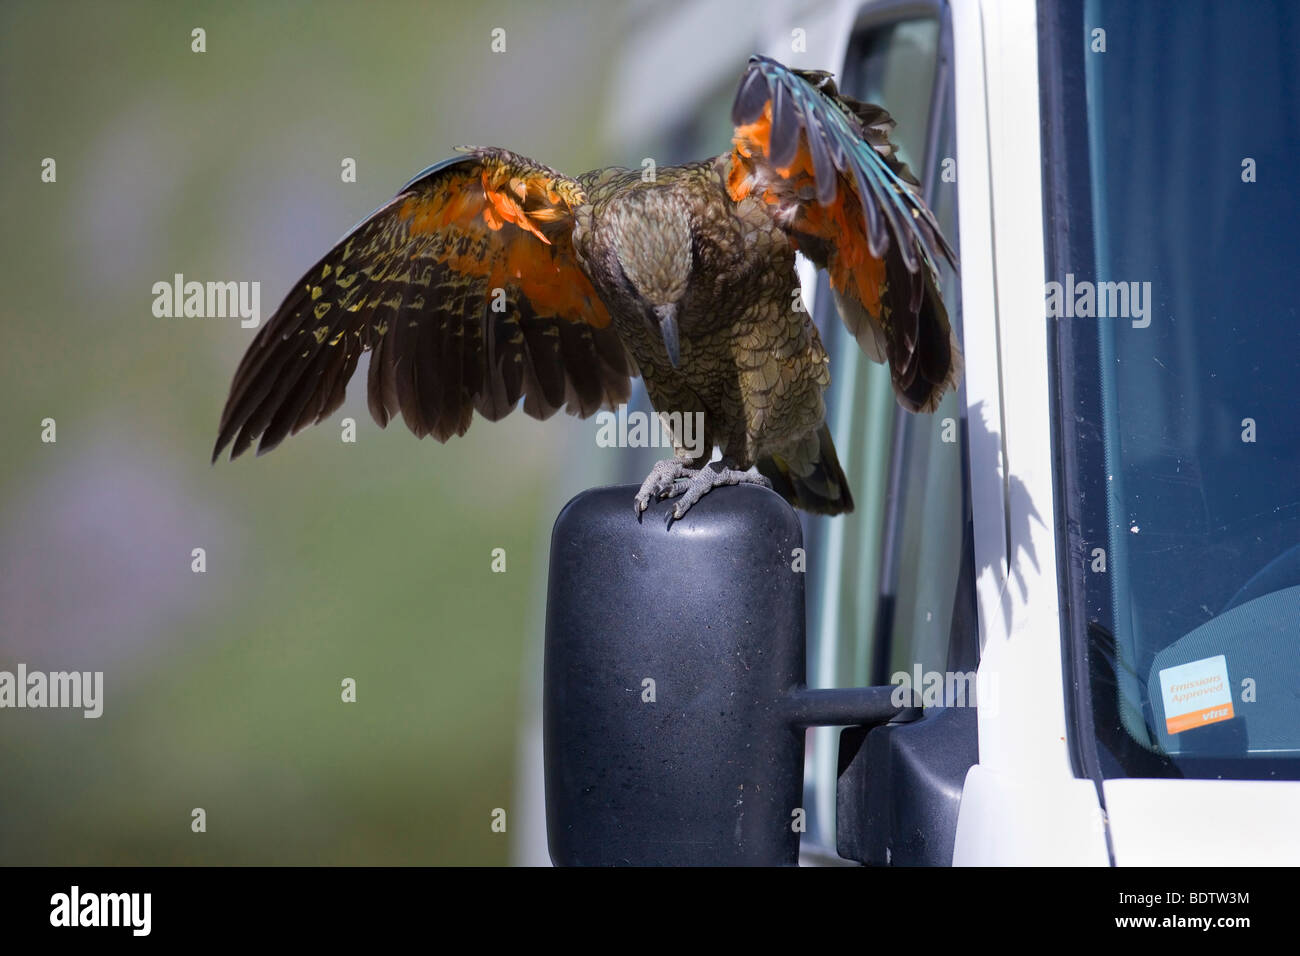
{"x": 650, "y": 237}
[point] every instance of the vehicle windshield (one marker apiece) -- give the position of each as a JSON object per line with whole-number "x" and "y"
{"x": 1173, "y": 289}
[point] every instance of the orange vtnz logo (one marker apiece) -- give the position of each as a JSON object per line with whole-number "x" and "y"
{"x": 1198, "y": 718}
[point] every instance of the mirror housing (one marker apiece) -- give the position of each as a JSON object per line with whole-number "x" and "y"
{"x": 674, "y": 705}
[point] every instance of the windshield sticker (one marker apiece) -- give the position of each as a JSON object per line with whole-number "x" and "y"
{"x": 1196, "y": 694}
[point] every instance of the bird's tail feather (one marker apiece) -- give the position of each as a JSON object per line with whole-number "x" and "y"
{"x": 815, "y": 484}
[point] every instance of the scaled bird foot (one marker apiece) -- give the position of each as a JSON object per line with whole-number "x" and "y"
{"x": 659, "y": 483}
{"x": 671, "y": 478}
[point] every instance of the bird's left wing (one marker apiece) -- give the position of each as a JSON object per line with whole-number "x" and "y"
{"x": 466, "y": 289}
{"x": 825, "y": 170}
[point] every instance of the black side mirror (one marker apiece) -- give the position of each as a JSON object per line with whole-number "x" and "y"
{"x": 674, "y": 701}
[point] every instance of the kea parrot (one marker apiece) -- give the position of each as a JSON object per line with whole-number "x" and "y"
{"x": 490, "y": 278}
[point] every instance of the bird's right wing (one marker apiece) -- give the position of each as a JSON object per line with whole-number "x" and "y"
{"x": 466, "y": 289}
{"x": 824, "y": 169}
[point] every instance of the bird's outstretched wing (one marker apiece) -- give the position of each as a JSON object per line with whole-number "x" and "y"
{"x": 465, "y": 287}
{"x": 828, "y": 174}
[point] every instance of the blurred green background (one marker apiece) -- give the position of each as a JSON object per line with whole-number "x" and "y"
{"x": 324, "y": 560}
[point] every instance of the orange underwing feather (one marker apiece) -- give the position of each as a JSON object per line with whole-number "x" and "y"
{"x": 550, "y": 279}
{"x": 851, "y": 265}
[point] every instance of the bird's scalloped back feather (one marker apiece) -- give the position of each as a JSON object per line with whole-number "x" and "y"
{"x": 466, "y": 288}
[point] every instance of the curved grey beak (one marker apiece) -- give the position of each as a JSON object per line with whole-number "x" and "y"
{"x": 667, "y": 317}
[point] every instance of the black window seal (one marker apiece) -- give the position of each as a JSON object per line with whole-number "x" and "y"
{"x": 1068, "y": 246}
